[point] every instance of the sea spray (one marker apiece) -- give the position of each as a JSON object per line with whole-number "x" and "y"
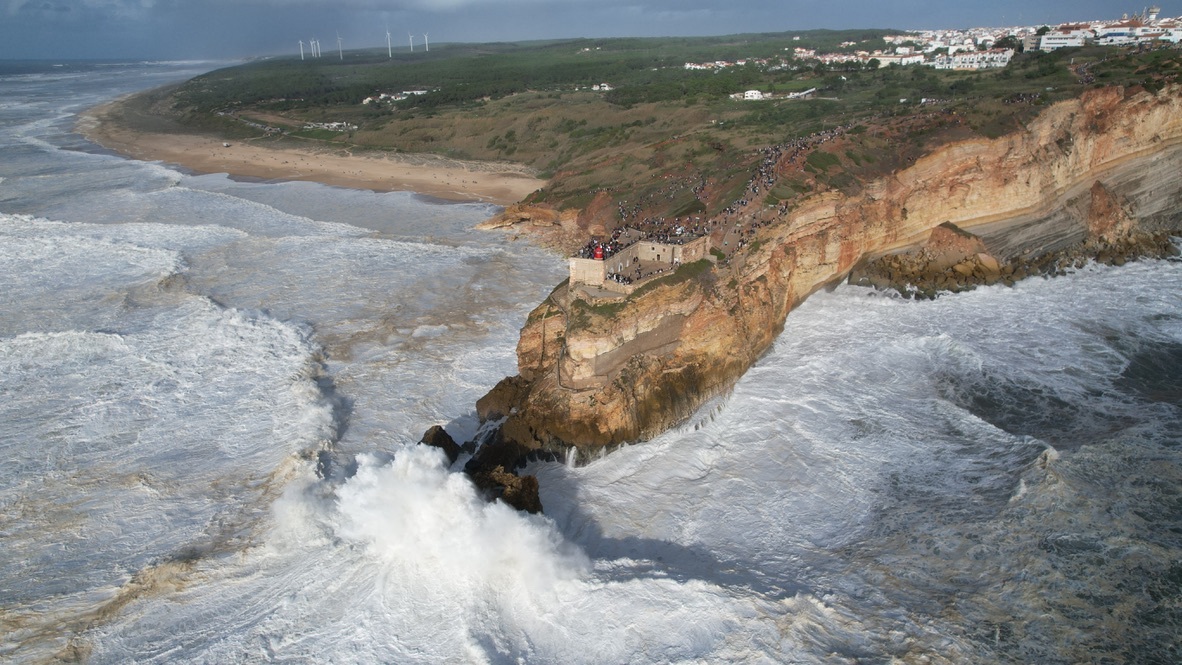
{"x": 844, "y": 506}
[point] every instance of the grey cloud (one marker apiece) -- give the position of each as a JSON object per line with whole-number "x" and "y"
{"x": 234, "y": 28}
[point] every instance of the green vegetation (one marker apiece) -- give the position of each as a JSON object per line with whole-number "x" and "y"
{"x": 684, "y": 273}
{"x": 584, "y": 315}
{"x": 668, "y": 140}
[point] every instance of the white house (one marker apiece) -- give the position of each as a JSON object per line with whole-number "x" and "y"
{"x": 1066, "y": 36}
{"x": 898, "y": 59}
{"x": 991, "y": 59}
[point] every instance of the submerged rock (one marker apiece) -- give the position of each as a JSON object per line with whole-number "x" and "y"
{"x": 520, "y": 492}
{"x": 489, "y": 474}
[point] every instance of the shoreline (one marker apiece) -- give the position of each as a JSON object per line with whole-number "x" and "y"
{"x": 451, "y": 180}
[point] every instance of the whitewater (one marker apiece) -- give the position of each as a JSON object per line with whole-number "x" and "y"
{"x": 211, "y": 390}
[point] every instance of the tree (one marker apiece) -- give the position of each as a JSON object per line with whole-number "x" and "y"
{"x": 1009, "y": 41}
{"x": 1042, "y": 31}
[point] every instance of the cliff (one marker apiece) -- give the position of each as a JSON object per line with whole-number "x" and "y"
{"x": 597, "y": 372}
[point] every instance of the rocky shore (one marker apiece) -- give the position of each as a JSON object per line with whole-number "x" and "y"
{"x": 964, "y": 263}
{"x": 1095, "y": 178}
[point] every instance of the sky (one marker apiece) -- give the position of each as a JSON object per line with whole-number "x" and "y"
{"x": 227, "y": 29}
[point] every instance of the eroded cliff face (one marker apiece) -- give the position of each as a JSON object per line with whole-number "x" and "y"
{"x": 599, "y": 374}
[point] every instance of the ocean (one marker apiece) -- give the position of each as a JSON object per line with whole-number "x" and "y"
{"x": 211, "y": 390}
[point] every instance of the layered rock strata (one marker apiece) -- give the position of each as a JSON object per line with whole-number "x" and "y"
{"x": 598, "y": 372}
{"x": 936, "y": 268}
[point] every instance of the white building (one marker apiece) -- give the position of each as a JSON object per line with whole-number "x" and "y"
{"x": 991, "y": 59}
{"x": 1067, "y": 36}
{"x": 901, "y": 60}
{"x": 1137, "y": 30}
{"x": 753, "y": 95}
{"x": 1118, "y": 34}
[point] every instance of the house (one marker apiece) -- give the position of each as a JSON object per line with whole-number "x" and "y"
{"x": 991, "y": 59}
{"x": 902, "y": 60}
{"x": 1066, "y": 36}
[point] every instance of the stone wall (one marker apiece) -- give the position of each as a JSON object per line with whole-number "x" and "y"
{"x": 593, "y": 272}
{"x": 586, "y": 271}
{"x": 695, "y": 250}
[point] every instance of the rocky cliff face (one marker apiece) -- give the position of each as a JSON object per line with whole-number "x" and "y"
{"x": 598, "y": 374}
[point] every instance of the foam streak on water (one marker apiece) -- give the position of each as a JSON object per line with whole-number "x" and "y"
{"x": 976, "y": 477}
{"x": 210, "y": 392}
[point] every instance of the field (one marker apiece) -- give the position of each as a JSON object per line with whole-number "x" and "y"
{"x": 669, "y": 138}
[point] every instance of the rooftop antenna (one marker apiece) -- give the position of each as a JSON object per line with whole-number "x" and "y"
{"x": 425, "y": 42}
{"x": 339, "y": 51}
{"x": 389, "y": 48}
{"x": 301, "y": 49}
{"x": 412, "y": 42}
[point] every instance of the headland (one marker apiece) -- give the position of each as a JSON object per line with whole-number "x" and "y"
{"x": 698, "y": 222}
{"x": 1095, "y": 177}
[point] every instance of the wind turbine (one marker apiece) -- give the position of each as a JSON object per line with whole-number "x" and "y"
{"x": 301, "y": 49}
{"x": 412, "y": 42}
{"x": 339, "y": 51}
{"x": 425, "y": 42}
{"x": 389, "y": 48}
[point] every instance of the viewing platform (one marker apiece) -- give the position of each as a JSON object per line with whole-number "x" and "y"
{"x": 623, "y": 271}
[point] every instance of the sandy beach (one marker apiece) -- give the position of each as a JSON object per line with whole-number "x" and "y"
{"x": 499, "y": 183}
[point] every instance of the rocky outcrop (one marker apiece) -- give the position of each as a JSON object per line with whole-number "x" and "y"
{"x": 437, "y": 437}
{"x": 928, "y": 271}
{"x": 594, "y": 374}
{"x": 520, "y": 492}
{"x": 547, "y": 226}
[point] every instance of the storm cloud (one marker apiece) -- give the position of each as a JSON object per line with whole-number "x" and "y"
{"x": 175, "y": 29}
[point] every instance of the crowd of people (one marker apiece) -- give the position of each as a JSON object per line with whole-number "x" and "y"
{"x": 1022, "y": 98}
{"x": 735, "y": 222}
{"x": 734, "y": 228}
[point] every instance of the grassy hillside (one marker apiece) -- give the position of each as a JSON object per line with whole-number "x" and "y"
{"x": 664, "y": 136}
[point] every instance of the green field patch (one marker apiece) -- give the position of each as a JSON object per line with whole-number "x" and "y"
{"x": 683, "y": 274}
{"x": 822, "y": 161}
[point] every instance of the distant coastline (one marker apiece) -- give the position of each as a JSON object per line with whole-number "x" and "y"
{"x": 117, "y": 127}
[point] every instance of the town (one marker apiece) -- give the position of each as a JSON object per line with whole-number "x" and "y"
{"x": 971, "y": 49}
{"x": 647, "y": 248}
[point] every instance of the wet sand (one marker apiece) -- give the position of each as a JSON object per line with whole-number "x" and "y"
{"x": 453, "y": 180}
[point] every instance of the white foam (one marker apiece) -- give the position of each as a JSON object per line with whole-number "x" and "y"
{"x": 148, "y": 445}
{"x": 63, "y": 282}
{"x": 848, "y": 502}
{"x": 408, "y": 563}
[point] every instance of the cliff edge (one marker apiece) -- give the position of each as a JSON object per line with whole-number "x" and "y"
{"x": 597, "y": 370}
